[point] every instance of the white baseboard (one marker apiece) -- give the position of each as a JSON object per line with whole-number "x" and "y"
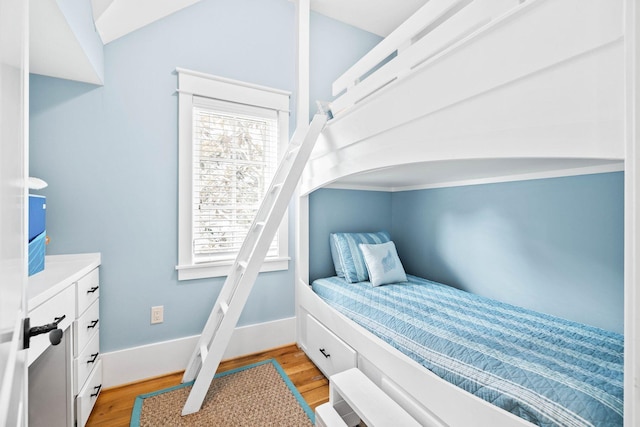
{"x": 151, "y": 360}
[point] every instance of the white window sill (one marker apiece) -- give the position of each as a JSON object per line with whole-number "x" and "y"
{"x": 221, "y": 268}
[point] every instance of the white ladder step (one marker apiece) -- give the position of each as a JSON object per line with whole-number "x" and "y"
{"x": 326, "y": 416}
{"x": 369, "y": 402}
{"x": 276, "y": 187}
{"x": 293, "y": 151}
{"x": 224, "y": 307}
{"x": 204, "y": 352}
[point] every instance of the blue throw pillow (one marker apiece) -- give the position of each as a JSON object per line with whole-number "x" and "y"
{"x": 336, "y": 257}
{"x": 347, "y": 256}
{"x": 383, "y": 264}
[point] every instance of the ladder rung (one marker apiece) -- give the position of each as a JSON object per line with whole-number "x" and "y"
{"x": 242, "y": 265}
{"x": 292, "y": 151}
{"x": 296, "y": 142}
{"x": 276, "y": 187}
{"x": 204, "y": 351}
{"x": 259, "y": 225}
{"x": 224, "y": 307}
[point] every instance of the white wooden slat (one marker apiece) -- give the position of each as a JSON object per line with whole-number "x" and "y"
{"x": 456, "y": 28}
{"x": 424, "y": 17}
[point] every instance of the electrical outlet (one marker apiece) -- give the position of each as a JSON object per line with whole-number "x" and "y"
{"x": 157, "y": 314}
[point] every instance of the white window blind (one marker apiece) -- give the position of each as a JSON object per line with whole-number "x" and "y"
{"x": 234, "y": 160}
{"x": 229, "y": 136}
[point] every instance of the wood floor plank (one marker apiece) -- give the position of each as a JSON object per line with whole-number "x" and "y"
{"x": 113, "y": 407}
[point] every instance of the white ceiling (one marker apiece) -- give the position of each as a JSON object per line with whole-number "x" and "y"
{"x": 57, "y": 51}
{"x": 54, "y": 48}
{"x": 115, "y": 18}
{"x": 380, "y": 17}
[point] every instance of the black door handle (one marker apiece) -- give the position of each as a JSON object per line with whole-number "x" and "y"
{"x": 55, "y": 335}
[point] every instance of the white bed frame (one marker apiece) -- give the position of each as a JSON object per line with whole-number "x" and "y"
{"x": 550, "y": 82}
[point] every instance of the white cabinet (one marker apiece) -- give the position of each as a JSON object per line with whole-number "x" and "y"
{"x": 86, "y": 349}
{"x": 59, "y": 306}
{"x": 69, "y": 286}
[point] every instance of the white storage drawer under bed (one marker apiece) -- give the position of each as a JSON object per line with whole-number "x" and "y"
{"x": 330, "y": 354}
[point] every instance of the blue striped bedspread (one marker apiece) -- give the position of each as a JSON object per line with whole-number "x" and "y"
{"x": 547, "y": 370}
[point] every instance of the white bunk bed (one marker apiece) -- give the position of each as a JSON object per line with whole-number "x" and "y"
{"x": 469, "y": 89}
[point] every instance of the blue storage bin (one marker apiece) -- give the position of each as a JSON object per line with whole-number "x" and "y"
{"x": 37, "y": 215}
{"x": 37, "y": 233}
{"x": 36, "y": 253}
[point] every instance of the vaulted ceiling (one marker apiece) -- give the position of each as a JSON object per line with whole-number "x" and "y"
{"x": 115, "y": 18}
{"x": 66, "y": 36}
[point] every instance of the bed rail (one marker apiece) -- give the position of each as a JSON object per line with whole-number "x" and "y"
{"x": 437, "y": 26}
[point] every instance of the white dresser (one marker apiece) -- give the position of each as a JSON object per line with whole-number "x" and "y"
{"x": 65, "y": 380}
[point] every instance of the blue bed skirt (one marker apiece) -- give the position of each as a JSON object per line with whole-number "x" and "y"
{"x": 547, "y": 370}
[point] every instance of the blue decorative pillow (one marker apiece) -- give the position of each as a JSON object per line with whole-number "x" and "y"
{"x": 383, "y": 264}
{"x": 336, "y": 257}
{"x": 347, "y": 256}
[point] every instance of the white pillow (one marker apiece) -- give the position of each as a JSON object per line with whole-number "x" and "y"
{"x": 383, "y": 264}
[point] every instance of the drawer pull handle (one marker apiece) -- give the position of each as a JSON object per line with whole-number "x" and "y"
{"x": 324, "y": 352}
{"x": 97, "y": 389}
{"x": 93, "y": 324}
{"x": 94, "y": 356}
{"x": 93, "y": 289}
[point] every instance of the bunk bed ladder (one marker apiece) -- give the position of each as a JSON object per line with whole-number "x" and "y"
{"x": 239, "y": 282}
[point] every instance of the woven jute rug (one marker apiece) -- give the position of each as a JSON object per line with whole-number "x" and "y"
{"x": 256, "y": 395}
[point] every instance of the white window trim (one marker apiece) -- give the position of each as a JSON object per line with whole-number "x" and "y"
{"x": 193, "y": 83}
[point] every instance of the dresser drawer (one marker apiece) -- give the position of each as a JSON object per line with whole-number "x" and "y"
{"x": 62, "y": 304}
{"x": 86, "y": 327}
{"x": 88, "y": 395}
{"x": 327, "y": 351}
{"x": 85, "y": 362}
{"x": 88, "y": 291}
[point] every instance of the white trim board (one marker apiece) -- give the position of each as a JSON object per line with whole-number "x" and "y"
{"x": 151, "y": 360}
{"x": 589, "y": 170}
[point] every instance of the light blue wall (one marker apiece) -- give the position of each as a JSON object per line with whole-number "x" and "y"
{"x": 326, "y": 62}
{"x": 333, "y": 211}
{"x": 552, "y": 245}
{"x": 110, "y": 156}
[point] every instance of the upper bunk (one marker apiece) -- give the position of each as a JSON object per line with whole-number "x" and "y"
{"x": 468, "y": 89}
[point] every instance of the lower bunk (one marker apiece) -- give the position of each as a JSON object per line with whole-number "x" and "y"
{"x": 453, "y": 358}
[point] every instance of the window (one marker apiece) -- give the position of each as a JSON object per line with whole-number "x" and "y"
{"x": 230, "y": 137}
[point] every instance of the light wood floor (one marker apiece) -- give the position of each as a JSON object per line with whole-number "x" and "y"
{"x": 113, "y": 407}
